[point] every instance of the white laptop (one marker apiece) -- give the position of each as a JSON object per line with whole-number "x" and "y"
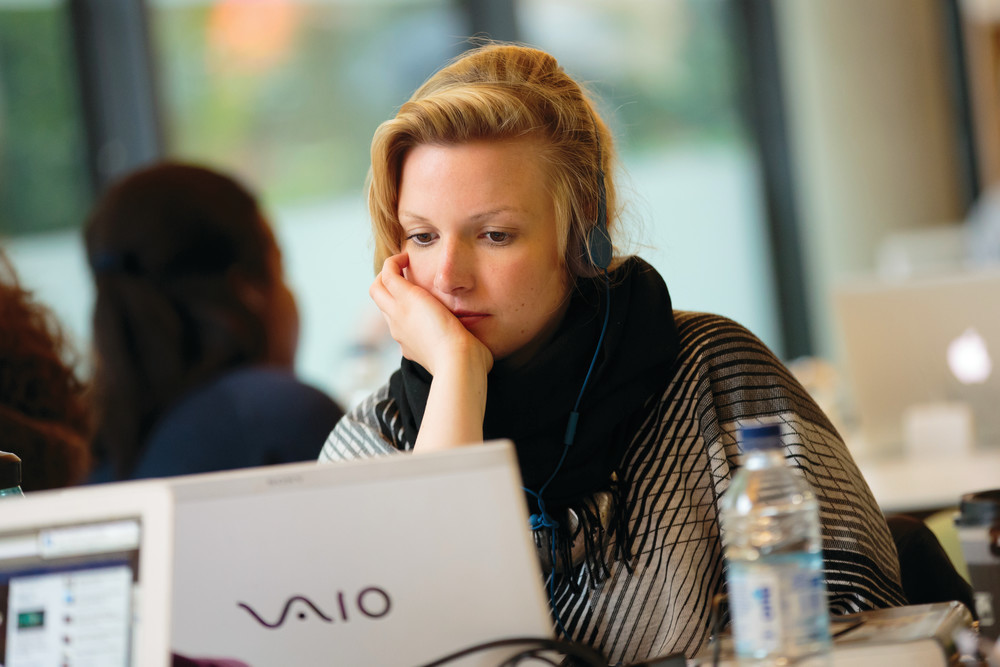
{"x": 923, "y": 341}
{"x": 85, "y": 577}
{"x": 397, "y": 560}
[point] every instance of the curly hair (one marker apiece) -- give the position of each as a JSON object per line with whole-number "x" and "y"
{"x": 44, "y": 411}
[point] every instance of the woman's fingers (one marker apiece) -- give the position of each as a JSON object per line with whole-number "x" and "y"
{"x": 427, "y": 332}
{"x": 417, "y": 321}
{"x": 390, "y": 276}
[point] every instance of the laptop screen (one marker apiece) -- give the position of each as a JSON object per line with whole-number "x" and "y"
{"x": 923, "y": 341}
{"x": 396, "y": 560}
{"x": 67, "y": 592}
{"x": 72, "y": 585}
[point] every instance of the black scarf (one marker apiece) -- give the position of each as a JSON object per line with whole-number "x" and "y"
{"x": 531, "y": 404}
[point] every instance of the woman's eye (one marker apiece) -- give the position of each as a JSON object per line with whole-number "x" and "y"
{"x": 421, "y": 238}
{"x": 498, "y": 237}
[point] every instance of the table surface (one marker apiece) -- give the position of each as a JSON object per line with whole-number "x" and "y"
{"x": 904, "y": 482}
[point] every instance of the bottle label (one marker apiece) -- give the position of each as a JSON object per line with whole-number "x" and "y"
{"x": 778, "y": 605}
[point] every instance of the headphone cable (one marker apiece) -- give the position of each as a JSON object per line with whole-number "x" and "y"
{"x": 543, "y": 519}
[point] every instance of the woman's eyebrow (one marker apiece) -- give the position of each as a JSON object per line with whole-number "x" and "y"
{"x": 492, "y": 213}
{"x": 475, "y": 217}
{"x": 414, "y": 216}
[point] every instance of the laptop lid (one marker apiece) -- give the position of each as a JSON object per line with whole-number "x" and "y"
{"x": 85, "y": 577}
{"x": 931, "y": 339}
{"x": 397, "y": 560}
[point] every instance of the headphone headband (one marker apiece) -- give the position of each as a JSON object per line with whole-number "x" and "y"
{"x": 600, "y": 250}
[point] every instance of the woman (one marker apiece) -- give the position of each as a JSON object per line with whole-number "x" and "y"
{"x": 44, "y": 414}
{"x": 195, "y": 331}
{"x": 488, "y": 194}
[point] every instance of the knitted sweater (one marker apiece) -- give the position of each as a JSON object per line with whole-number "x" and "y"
{"x": 678, "y": 465}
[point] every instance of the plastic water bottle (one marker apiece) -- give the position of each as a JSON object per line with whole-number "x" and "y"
{"x": 773, "y": 546}
{"x": 10, "y": 475}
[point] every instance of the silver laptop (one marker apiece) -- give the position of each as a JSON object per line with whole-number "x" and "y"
{"x": 398, "y": 560}
{"x": 926, "y": 340}
{"x": 85, "y": 577}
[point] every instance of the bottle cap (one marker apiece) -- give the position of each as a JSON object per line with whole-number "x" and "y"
{"x": 10, "y": 470}
{"x": 763, "y": 436}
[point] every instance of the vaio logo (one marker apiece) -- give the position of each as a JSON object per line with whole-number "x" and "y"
{"x": 371, "y": 602}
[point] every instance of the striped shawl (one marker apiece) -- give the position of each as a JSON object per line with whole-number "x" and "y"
{"x": 676, "y": 468}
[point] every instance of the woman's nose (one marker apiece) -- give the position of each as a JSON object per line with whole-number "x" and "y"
{"x": 455, "y": 269}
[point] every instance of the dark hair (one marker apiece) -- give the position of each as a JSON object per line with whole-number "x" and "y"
{"x": 44, "y": 416}
{"x": 172, "y": 249}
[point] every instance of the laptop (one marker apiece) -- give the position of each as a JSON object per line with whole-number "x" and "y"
{"x": 931, "y": 340}
{"x": 396, "y": 560}
{"x": 85, "y": 577}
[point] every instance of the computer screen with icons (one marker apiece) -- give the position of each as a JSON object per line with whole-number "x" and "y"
{"x": 85, "y": 577}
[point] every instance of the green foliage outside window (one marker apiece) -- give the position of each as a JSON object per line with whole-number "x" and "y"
{"x": 43, "y": 176}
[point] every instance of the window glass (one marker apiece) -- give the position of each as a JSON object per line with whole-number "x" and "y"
{"x": 286, "y": 95}
{"x": 665, "y": 80}
{"x": 44, "y": 183}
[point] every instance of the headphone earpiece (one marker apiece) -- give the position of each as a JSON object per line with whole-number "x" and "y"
{"x": 599, "y": 248}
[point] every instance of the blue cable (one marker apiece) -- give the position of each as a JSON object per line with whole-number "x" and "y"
{"x": 575, "y": 415}
{"x": 543, "y": 519}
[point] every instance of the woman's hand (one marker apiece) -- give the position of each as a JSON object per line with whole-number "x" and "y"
{"x": 425, "y": 329}
{"x": 433, "y": 337}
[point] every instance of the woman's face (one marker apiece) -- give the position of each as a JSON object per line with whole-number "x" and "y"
{"x": 480, "y": 231}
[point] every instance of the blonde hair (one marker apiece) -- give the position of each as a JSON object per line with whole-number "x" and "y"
{"x": 502, "y": 92}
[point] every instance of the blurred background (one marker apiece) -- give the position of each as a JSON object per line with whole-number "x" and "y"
{"x": 771, "y": 148}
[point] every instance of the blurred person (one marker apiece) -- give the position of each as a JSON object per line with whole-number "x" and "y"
{"x": 497, "y": 233}
{"x": 44, "y": 412}
{"x": 195, "y": 331}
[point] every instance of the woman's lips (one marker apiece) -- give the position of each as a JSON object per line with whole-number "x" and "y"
{"x": 469, "y": 318}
